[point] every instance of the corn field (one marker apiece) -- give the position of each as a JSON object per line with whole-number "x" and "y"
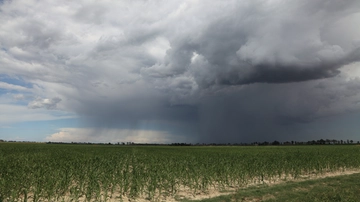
{"x": 42, "y": 172}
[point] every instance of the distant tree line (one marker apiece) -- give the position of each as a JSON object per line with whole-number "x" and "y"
{"x": 265, "y": 143}
{"x": 312, "y": 142}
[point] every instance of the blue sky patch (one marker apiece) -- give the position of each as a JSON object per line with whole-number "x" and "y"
{"x": 35, "y": 130}
{"x": 15, "y": 81}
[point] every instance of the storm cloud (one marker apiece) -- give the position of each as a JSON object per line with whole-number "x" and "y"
{"x": 219, "y": 71}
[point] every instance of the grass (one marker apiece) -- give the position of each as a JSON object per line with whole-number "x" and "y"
{"x": 337, "y": 189}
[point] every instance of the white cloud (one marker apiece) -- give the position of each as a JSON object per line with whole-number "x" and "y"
{"x": 351, "y": 71}
{"x": 44, "y": 103}
{"x": 8, "y": 86}
{"x": 112, "y": 135}
{"x": 11, "y": 113}
{"x": 19, "y": 96}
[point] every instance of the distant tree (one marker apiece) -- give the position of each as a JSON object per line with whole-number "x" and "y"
{"x": 275, "y": 142}
{"x": 351, "y": 141}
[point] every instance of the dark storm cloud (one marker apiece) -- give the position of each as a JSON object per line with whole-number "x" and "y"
{"x": 265, "y": 112}
{"x": 267, "y": 43}
{"x": 220, "y": 71}
{"x": 279, "y": 74}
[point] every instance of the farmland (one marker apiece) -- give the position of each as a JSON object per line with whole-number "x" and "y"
{"x": 42, "y": 172}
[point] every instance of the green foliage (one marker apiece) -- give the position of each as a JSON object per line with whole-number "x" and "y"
{"x": 37, "y": 172}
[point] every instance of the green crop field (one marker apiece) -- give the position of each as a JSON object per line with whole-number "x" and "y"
{"x": 47, "y": 172}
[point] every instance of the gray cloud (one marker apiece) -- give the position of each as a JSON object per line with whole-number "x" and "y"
{"x": 276, "y": 43}
{"x": 220, "y": 71}
{"x": 277, "y": 111}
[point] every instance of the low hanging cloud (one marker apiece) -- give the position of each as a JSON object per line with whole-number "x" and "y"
{"x": 113, "y": 136}
{"x": 278, "y": 111}
{"x": 219, "y": 71}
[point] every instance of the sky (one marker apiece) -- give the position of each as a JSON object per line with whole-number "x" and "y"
{"x": 190, "y": 71}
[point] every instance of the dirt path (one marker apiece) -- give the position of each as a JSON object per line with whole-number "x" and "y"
{"x": 211, "y": 193}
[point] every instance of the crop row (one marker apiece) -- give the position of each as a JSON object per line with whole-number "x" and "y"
{"x": 37, "y": 172}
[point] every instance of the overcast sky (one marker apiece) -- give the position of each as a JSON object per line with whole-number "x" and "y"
{"x": 179, "y": 71}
